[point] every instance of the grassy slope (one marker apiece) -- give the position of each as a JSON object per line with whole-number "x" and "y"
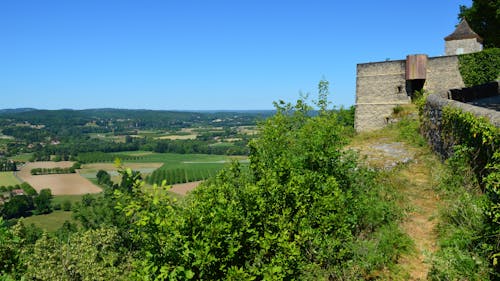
{"x": 8, "y": 178}
{"x": 22, "y": 157}
{"x": 59, "y": 199}
{"x": 50, "y": 222}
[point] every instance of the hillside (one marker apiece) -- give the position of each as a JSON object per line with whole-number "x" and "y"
{"x": 316, "y": 202}
{"x": 447, "y": 211}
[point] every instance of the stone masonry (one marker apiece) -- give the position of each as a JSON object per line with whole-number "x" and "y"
{"x": 381, "y": 86}
{"x": 464, "y": 47}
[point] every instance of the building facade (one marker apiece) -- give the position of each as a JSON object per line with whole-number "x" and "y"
{"x": 381, "y": 86}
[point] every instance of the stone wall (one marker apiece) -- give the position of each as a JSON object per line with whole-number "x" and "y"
{"x": 462, "y": 46}
{"x": 432, "y": 121}
{"x": 443, "y": 74}
{"x": 380, "y": 86}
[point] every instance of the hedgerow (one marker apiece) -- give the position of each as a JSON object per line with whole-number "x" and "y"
{"x": 472, "y": 227}
{"x": 479, "y": 68}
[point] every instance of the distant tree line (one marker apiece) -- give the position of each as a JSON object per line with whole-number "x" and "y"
{"x": 197, "y": 146}
{"x": 7, "y": 165}
{"x": 26, "y": 187}
{"x": 56, "y": 170}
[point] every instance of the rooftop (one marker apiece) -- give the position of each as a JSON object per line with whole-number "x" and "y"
{"x": 463, "y": 31}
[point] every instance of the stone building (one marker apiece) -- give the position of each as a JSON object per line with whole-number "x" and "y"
{"x": 381, "y": 86}
{"x": 463, "y": 41}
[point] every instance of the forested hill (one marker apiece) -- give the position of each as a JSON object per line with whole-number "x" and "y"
{"x": 131, "y": 118}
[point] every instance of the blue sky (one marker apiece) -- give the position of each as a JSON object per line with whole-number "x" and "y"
{"x": 206, "y": 54}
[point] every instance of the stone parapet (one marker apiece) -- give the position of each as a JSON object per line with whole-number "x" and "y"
{"x": 433, "y": 121}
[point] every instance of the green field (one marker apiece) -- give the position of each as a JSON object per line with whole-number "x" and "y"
{"x": 148, "y": 157}
{"x": 59, "y": 199}
{"x": 24, "y": 157}
{"x": 50, "y": 222}
{"x": 181, "y": 168}
{"x": 8, "y": 178}
{"x": 176, "y": 168}
{"x": 170, "y": 158}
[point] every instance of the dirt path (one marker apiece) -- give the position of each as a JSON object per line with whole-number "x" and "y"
{"x": 421, "y": 220}
{"x": 414, "y": 182}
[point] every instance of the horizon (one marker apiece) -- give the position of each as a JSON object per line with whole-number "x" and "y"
{"x": 194, "y": 55}
{"x": 139, "y": 109}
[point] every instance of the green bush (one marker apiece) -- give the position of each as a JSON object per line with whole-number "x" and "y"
{"x": 479, "y": 68}
{"x": 66, "y": 205}
{"x": 304, "y": 210}
{"x": 56, "y": 206}
{"x": 470, "y": 221}
{"x": 463, "y": 236}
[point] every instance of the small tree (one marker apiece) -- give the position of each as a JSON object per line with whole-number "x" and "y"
{"x": 66, "y": 205}
{"x": 43, "y": 202}
{"x": 103, "y": 177}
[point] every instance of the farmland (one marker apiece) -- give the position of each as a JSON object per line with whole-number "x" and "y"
{"x": 182, "y": 148}
{"x": 8, "y": 178}
{"x": 156, "y": 167}
{"x": 50, "y": 222}
{"x": 66, "y": 184}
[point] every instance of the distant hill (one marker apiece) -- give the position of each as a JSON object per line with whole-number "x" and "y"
{"x": 16, "y": 110}
{"x": 131, "y": 118}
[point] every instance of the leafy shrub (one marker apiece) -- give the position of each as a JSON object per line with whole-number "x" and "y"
{"x": 303, "y": 211}
{"x": 470, "y": 223}
{"x": 66, "y": 205}
{"x": 476, "y": 134}
{"x": 479, "y": 68}
{"x": 463, "y": 248}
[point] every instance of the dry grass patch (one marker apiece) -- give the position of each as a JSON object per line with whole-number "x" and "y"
{"x": 184, "y": 188}
{"x": 178, "y": 137}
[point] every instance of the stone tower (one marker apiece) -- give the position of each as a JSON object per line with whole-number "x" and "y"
{"x": 463, "y": 41}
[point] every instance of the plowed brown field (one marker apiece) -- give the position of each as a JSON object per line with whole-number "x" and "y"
{"x": 60, "y": 184}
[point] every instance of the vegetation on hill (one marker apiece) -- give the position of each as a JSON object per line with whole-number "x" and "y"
{"x": 303, "y": 209}
{"x": 67, "y": 133}
{"x": 470, "y": 228}
{"x": 480, "y": 68}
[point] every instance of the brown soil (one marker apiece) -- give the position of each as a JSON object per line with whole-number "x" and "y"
{"x": 60, "y": 184}
{"x": 184, "y": 188}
